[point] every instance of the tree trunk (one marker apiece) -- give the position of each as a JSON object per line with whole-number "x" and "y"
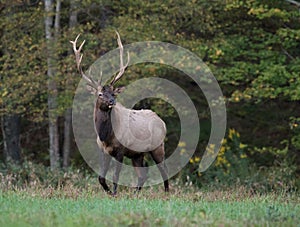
{"x": 52, "y": 88}
{"x": 68, "y": 133}
{"x": 67, "y": 147}
{"x": 11, "y": 138}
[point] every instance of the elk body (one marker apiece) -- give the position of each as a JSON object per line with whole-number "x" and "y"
{"x": 121, "y": 131}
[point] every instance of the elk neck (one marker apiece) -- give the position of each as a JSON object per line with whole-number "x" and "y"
{"x": 103, "y": 123}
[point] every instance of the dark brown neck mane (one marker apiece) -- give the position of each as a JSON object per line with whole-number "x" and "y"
{"x": 103, "y": 124}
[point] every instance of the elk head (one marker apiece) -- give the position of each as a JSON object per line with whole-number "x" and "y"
{"x": 106, "y": 95}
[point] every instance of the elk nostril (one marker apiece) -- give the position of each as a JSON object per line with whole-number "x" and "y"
{"x": 111, "y": 101}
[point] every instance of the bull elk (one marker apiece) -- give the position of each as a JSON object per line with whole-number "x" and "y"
{"x": 115, "y": 124}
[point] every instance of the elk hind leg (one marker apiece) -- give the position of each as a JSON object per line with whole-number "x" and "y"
{"x": 158, "y": 155}
{"x": 140, "y": 169}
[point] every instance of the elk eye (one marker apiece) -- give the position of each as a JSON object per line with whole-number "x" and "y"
{"x": 100, "y": 95}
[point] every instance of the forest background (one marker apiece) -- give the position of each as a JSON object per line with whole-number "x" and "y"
{"x": 251, "y": 46}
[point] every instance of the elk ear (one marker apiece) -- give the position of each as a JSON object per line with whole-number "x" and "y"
{"x": 118, "y": 90}
{"x": 92, "y": 90}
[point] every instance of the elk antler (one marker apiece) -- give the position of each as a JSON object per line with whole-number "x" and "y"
{"x": 78, "y": 56}
{"x": 122, "y": 66}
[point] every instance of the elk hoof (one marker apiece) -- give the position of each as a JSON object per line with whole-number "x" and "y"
{"x": 113, "y": 194}
{"x": 137, "y": 190}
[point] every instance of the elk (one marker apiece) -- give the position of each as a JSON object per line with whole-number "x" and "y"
{"x": 115, "y": 124}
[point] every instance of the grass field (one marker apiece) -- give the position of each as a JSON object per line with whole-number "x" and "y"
{"x": 151, "y": 207}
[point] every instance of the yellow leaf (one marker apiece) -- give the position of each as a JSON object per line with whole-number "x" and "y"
{"x": 4, "y": 93}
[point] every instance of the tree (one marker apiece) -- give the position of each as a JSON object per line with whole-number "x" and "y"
{"x": 251, "y": 46}
{"x": 21, "y": 80}
{"x": 11, "y": 138}
{"x": 52, "y": 86}
{"x": 68, "y": 135}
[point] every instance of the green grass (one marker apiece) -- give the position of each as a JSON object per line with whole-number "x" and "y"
{"x": 70, "y": 207}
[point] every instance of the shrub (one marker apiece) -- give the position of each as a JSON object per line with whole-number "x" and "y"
{"x": 260, "y": 169}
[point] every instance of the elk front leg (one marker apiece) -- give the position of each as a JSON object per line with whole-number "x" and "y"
{"x": 119, "y": 160}
{"x": 104, "y": 165}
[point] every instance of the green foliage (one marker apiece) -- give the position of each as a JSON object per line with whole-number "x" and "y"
{"x": 295, "y": 128}
{"x": 251, "y": 46}
{"x": 231, "y": 164}
{"x": 259, "y": 169}
{"x": 22, "y": 78}
{"x": 261, "y": 60}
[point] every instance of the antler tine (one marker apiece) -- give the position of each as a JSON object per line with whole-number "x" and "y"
{"x": 100, "y": 79}
{"x": 78, "y": 57}
{"x": 122, "y": 66}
